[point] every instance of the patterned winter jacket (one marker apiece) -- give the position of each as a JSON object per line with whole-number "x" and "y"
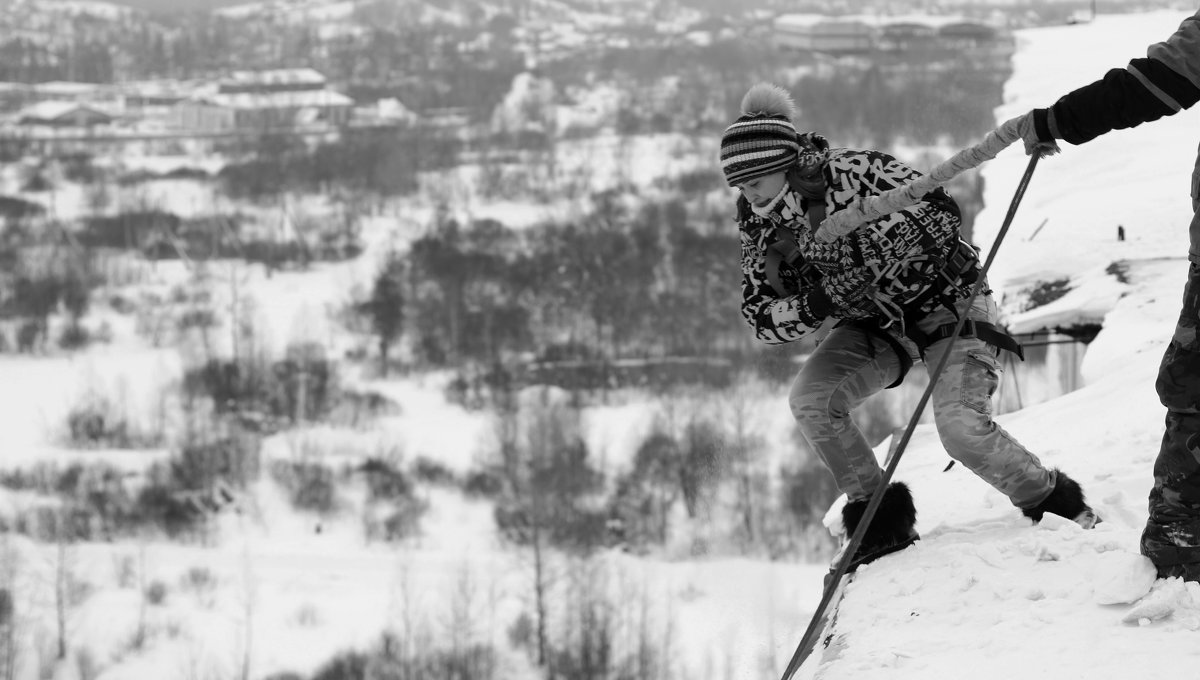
{"x": 870, "y": 273}
{"x": 1165, "y": 82}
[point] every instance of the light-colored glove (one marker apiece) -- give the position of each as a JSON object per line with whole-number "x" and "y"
{"x": 843, "y": 221}
{"x": 1028, "y": 130}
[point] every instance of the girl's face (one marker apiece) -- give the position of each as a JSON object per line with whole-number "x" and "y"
{"x": 761, "y": 190}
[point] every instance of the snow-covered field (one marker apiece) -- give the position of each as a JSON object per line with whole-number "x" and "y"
{"x": 984, "y": 594}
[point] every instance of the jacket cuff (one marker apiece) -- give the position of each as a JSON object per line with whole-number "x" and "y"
{"x": 1041, "y": 125}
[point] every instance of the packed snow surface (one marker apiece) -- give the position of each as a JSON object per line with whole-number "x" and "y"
{"x": 985, "y": 594}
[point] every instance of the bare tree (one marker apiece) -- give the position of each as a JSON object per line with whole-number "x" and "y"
{"x": 546, "y": 477}
{"x": 63, "y": 578}
{"x": 467, "y": 656}
{"x": 530, "y": 533}
{"x": 249, "y": 594}
{"x": 9, "y": 629}
{"x": 400, "y": 647}
{"x": 141, "y": 634}
{"x": 607, "y": 626}
{"x": 750, "y": 479}
{"x": 460, "y": 620}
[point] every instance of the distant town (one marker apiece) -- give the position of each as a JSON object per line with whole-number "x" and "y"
{"x": 89, "y": 75}
{"x": 57, "y": 116}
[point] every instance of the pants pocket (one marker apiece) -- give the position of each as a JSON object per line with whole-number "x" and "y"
{"x": 981, "y": 377}
{"x": 1178, "y": 382}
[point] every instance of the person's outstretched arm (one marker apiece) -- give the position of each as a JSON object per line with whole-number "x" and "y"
{"x": 1164, "y": 82}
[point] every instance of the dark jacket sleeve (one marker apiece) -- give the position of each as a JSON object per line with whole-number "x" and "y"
{"x": 1166, "y": 81}
{"x": 777, "y": 319}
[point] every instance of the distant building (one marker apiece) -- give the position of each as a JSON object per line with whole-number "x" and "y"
{"x": 458, "y": 117}
{"x": 902, "y": 33}
{"x": 63, "y": 115}
{"x": 261, "y": 100}
{"x": 65, "y": 91}
{"x": 860, "y": 33}
{"x": 276, "y": 80}
{"x": 820, "y": 33}
{"x": 152, "y": 94}
{"x": 968, "y": 34}
{"x": 907, "y": 31}
{"x": 245, "y": 112}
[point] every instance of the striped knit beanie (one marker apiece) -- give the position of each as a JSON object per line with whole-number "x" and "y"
{"x": 762, "y": 140}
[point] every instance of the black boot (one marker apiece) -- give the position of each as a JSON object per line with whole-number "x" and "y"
{"x": 1066, "y": 500}
{"x": 891, "y": 529}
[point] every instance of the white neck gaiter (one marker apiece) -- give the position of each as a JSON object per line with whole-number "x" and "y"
{"x": 765, "y": 210}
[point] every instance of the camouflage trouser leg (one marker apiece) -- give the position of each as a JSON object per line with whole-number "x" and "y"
{"x": 962, "y": 409}
{"x": 850, "y": 365}
{"x": 1172, "y": 536}
{"x": 847, "y": 367}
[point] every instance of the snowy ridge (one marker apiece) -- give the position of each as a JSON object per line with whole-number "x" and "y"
{"x": 984, "y": 590}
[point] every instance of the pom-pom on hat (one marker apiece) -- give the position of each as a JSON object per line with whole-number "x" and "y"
{"x": 762, "y": 140}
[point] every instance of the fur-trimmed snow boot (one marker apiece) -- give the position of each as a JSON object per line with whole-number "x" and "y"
{"x": 1066, "y": 500}
{"x": 891, "y": 529}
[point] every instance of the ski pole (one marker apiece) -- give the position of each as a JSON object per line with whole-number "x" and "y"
{"x": 808, "y": 641}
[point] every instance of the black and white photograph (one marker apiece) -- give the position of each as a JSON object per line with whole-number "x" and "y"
{"x": 599, "y": 339}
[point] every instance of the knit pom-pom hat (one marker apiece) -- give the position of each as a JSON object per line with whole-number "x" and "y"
{"x": 763, "y": 139}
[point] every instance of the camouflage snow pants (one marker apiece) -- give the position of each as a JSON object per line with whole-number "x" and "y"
{"x": 1172, "y": 536}
{"x": 851, "y": 364}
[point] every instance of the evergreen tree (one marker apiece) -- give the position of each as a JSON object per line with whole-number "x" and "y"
{"x": 386, "y": 309}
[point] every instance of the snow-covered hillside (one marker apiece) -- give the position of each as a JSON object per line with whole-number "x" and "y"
{"x": 984, "y": 594}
